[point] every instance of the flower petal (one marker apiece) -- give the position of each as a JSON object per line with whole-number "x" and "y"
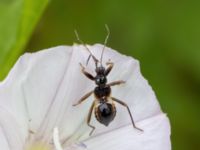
{"x": 156, "y": 136}
{"x": 30, "y": 88}
{"x": 41, "y": 88}
{"x": 10, "y": 132}
{"x": 3, "y": 141}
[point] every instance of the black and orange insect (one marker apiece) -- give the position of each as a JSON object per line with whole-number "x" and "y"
{"x": 103, "y": 105}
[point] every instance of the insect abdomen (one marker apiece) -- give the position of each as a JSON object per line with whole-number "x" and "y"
{"x": 105, "y": 113}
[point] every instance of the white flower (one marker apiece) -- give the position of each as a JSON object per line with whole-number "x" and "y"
{"x": 39, "y": 92}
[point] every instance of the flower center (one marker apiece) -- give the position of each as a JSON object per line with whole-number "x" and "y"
{"x": 42, "y": 146}
{"x": 39, "y": 146}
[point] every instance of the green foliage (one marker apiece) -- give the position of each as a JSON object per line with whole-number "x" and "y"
{"x": 17, "y": 21}
{"x": 163, "y": 35}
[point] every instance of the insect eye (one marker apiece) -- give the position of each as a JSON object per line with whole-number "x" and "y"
{"x": 101, "y": 80}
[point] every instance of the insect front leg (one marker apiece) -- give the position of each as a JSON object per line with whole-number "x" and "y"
{"x": 83, "y": 98}
{"x": 88, "y": 75}
{"x": 125, "y": 105}
{"x": 110, "y": 66}
{"x": 117, "y": 83}
{"x": 89, "y": 118}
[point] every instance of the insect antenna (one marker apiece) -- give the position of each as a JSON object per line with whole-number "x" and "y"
{"x": 91, "y": 55}
{"x": 105, "y": 42}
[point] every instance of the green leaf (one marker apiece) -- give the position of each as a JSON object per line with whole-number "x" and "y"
{"x": 17, "y": 21}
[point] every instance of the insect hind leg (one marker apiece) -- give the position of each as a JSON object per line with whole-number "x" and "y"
{"x": 89, "y": 118}
{"x": 125, "y": 105}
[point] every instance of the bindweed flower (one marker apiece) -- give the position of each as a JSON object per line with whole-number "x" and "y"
{"x": 36, "y": 99}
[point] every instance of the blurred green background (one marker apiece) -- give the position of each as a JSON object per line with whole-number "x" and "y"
{"x": 163, "y": 35}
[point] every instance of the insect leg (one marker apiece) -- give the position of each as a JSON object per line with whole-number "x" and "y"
{"x": 89, "y": 117}
{"x": 88, "y": 75}
{"x": 110, "y": 66}
{"x": 117, "y": 83}
{"x": 125, "y": 105}
{"x": 83, "y": 98}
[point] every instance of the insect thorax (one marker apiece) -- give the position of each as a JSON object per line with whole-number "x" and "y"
{"x": 102, "y": 91}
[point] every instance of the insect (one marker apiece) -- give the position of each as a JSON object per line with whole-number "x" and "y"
{"x": 103, "y": 105}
